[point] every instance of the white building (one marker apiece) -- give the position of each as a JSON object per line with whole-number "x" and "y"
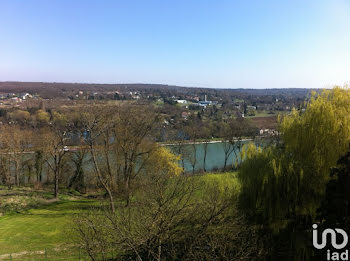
{"x": 181, "y": 101}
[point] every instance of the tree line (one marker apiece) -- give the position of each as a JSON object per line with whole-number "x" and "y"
{"x": 58, "y": 147}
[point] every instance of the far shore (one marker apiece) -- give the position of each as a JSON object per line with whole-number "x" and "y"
{"x": 200, "y": 142}
{"x": 76, "y": 148}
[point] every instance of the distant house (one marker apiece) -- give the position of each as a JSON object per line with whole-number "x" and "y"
{"x": 270, "y": 132}
{"x": 250, "y": 107}
{"x": 16, "y": 99}
{"x": 206, "y": 103}
{"x": 22, "y": 95}
{"x": 181, "y": 101}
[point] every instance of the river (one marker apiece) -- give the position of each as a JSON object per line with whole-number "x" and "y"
{"x": 215, "y": 158}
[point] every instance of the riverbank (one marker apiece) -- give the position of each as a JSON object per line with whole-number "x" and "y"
{"x": 201, "y": 142}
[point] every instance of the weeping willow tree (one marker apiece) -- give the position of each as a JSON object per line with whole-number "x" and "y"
{"x": 268, "y": 190}
{"x": 286, "y": 183}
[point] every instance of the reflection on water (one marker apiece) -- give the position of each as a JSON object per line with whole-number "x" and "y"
{"x": 215, "y": 155}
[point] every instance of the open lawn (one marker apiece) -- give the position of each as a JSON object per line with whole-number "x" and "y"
{"x": 41, "y": 233}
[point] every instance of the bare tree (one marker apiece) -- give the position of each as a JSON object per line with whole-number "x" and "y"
{"x": 96, "y": 122}
{"x": 5, "y": 165}
{"x": 120, "y": 144}
{"x": 5, "y": 157}
{"x": 78, "y": 158}
{"x": 55, "y": 150}
{"x": 195, "y": 130}
{"x": 227, "y": 144}
{"x": 237, "y": 130}
{"x": 180, "y": 146}
{"x": 233, "y": 132}
{"x": 133, "y": 140}
{"x": 206, "y": 134}
{"x": 38, "y": 164}
{"x": 15, "y": 141}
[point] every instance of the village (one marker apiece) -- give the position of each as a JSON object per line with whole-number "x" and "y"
{"x": 178, "y": 106}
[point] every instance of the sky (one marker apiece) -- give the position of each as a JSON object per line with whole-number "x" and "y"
{"x": 199, "y": 43}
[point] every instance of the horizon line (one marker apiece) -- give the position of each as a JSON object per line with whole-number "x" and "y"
{"x": 163, "y": 84}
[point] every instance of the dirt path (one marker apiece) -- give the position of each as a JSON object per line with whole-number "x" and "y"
{"x": 24, "y": 253}
{"x": 14, "y": 255}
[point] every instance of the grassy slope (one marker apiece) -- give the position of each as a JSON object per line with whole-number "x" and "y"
{"x": 47, "y": 228}
{"x": 42, "y": 229}
{"x": 225, "y": 180}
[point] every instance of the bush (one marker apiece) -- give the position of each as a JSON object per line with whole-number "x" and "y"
{"x": 170, "y": 218}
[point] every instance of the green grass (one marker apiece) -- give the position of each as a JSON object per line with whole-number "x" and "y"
{"x": 45, "y": 229}
{"x": 225, "y": 181}
{"x": 262, "y": 114}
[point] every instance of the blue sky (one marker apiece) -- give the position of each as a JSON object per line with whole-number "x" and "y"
{"x": 219, "y": 44}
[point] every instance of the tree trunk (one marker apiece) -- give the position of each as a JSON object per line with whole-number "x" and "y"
{"x": 127, "y": 190}
{"x": 194, "y": 157}
{"x": 56, "y": 184}
{"x": 100, "y": 178}
{"x": 111, "y": 200}
{"x": 225, "y": 164}
{"x": 159, "y": 250}
{"x": 29, "y": 174}
{"x": 205, "y": 156}
{"x": 38, "y": 165}
{"x": 17, "y": 175}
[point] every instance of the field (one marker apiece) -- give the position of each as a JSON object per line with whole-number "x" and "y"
{"x": 40, "y": 228}
{"x": 268, "y": 122}
{"x": 41, "y": 231}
